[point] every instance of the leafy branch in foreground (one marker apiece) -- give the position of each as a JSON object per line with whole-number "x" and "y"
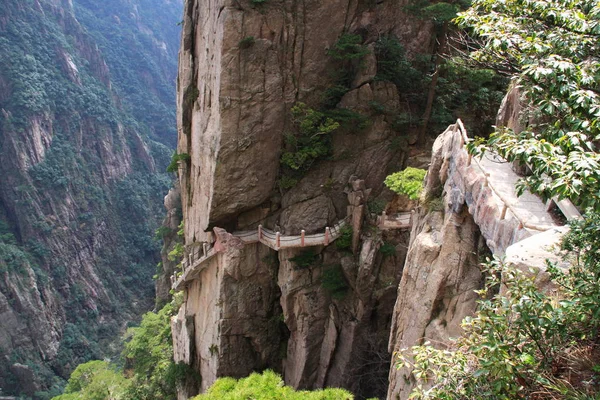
{"x": 553, "y": 49}
{"x": 523, "y": 343}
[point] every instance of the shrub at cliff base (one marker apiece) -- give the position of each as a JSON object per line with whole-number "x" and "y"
{"x": 150, "y": 372}
{"x": 266, "y": 386}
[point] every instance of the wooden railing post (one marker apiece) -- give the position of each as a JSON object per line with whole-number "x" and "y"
{"x": 204, "y": 248}
{"x": 278, "y": 240}
{"x": 259, "y": 233}
{"x": 382, "y": 222}
{"x": 412, "y": 215}
{"x": 326, "y": 236}
{"x": 302, "y": 232}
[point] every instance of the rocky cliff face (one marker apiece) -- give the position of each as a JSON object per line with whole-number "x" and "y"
{"x": 80, "y": 197}
{"x": 243, "y": 66}
{"x": 442, "y": 269}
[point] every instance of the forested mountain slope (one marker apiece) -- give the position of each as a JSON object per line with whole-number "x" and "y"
{"x": 86, "y": 122}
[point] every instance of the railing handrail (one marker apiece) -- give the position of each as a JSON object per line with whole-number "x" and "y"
{"x": 506, "y": 203}
{"x": 266, "y": 236}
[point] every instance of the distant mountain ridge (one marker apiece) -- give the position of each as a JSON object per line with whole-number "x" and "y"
{"x": 87, "y": 117}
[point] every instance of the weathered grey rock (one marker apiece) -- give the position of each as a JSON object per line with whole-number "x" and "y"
{"x": 26, "y": 378}
{"x": 311, "y": 215}
{"x": 437, "y": 287}
{"x": 532, "y": 254}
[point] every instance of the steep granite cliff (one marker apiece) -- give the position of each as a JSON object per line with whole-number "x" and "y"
{"x": 254, "y": 76}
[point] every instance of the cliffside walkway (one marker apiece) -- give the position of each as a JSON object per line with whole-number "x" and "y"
{"x": 511, "y": 218}
{"x": 201, "y": 253}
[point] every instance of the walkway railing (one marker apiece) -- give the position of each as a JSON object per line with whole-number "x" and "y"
{"x": 507, "y": 204}
{"x": 200, "y": 253}
{"x": 401, "y": 220}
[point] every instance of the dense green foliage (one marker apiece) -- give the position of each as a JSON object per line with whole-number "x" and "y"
{"x": 176, "y": 159}
{"x": 460, "y": 90}
{"x": 524, "y": 342}
{"x": 344, "y": 241}
{"x": 140, "y": 42}
{"x": 305, "y": 259}
{"x": 550, "y": 48}
{"x": 149, "y": 357}
{"x": 95, "y": 380}
{"x": 266, "y": 386}
{"x": 408, "y": 182}
{"x": 150, "y": 372}
{"x": 312, "y": 141}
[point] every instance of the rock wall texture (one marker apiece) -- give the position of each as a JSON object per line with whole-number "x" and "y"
{"x": 243, "y": 66}
{"x": 442, "y": 267}
{"x": 234, "y": 100}
{"x": 460, "y": 223}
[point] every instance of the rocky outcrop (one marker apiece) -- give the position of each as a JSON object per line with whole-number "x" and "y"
{"x": 230, "y": 323}
{"x": 169, "y": 233}
{"x": 464, "y": 217}
{"x": 437, "y": 287}
{"x": 243, "y": 66}
{"x": 442, "y": 267}
{"x": 234, "y": 99}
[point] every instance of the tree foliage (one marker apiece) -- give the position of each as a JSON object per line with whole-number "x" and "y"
{"x": 408, "y": 182}
{"x": 266, "y": 386}
{"x": 95, "y": 380}
{"x": 150, "y": 372}
{"x": 552, "y": 50}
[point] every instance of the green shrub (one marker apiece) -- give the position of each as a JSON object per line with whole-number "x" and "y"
{"x": 177, "y": 253}
{"x": 376, "y": 206}
{"x": 287, "y": 182}
{"x": 348, "y": 119}
{"x": 95, "y": 380}
{"x": 348, "y": 47}
{"x": 334, "y": 281}
{"x": 523, "y": 342}
{"x": 305, "y": 259}
{"x": 387, "y": 249}
{"x": 175, "y": 159}
{"x": 344, "y": 242}
{"x": 394, "y": 66}
{"x": 266, "y": 386}
{"x": 247, "y": 42}
{"x": 408, "y": 182}
{"x": 333, "y": 94}
{"x": 312, "y": 142}
{"x": 162, "y": 232}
